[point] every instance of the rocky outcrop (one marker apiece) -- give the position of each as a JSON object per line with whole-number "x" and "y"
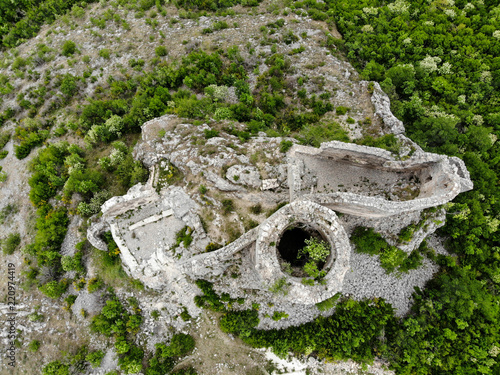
{"x": 94, "y": 233}
{"x": 382, "y": 106}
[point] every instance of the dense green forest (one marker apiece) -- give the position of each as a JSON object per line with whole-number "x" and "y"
{"x": 439, "y": 61}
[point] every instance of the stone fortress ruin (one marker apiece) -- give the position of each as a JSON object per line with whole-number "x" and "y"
{"x": 330, "y": 190}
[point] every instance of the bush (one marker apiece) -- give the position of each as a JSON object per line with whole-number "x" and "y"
{"x": 209, "y": 299}
{"x": 72, "y": 263}
{"x": 239, "y": 322}
{"x": 131, "y": 363}
{"x": 55, "y": 368}
{"x": 95, "y": 358}
{"x": 211, "y": 133}
{"x": 68, "y": 48}
{"x": 184, "y": 236}
{"x": 11, "y": 243}
{"x": 68, "y": 85}
{"x": 315, "y": 249}
{"x": 223, "y": 113}
{"x": 388, "y": 142}
{"x": 368, "y": 241}
{"x": 34, "y": 345}
{"x": 105, "y": 53}
{"x": 180, "y": 345}
{"x": 285, "y": 145}
{"x": 340, "y": 110}
{"x": 30, "y": 134}
{"x": 94, "y": 284}
{"x": 278, "y": 315}
{"x": 160, "y": 51}
{"x": 54, "y": 289}
{"x": 328, "y": 303}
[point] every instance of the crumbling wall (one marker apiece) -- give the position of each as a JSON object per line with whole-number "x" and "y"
{"x": 440, "y": 178}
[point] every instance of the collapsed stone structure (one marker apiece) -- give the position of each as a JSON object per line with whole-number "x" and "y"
{"x": 357, "y": 180}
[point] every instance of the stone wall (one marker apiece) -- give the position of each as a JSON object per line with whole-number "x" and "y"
{"x": 440, "y": 178}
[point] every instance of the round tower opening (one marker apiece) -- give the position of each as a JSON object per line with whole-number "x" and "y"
{"x": 292, "y": 252}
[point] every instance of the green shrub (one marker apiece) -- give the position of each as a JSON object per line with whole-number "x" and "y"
{"x": 368, "y": 241}
{"x": 70, "y": 300}
{"x": 388, "y": 142}
{"x": 340, "y": 110}
{"x": 223, "y": 113}
{"x": 68, "y": 48}
{"x": 111, "y": 320}
{"x": 184, "y": 236}
{"x": 131, "y": 362}
{"x": 30, "y": 134}
{"x": 11, "y": 243}
{"x": 34, "y": 345}
{"x": 95, "y": 358}
{"x": 392, "y": 258}
{"x": 239, "y": 322}
{"x": 256, "y": 209}
{"x": 280, "y": 286}
{"x": 180, "y": 345}
{"x": 55, "y": 368}
{"x": 315, "y": 249}
{"x": 54, "y": 289}
{"x": 314, "y": 135}
{"x": 94, "y": 284}
{"x": 212, "y": 246}
{"x": 6, "y": 211}
{"x": 344, "y": 334}
{"x": 160, "y": 51}
{"x": 412, "y": 262}
{"x": 105, "y": 53}
{"x": 72, "y": 263}
{"x": 211, "y": 133}
{"x": 4, "y": 138}
{"x": 278, "y": 315}
{"x": 285, "y": 145}
{"x": 209, "y": 299}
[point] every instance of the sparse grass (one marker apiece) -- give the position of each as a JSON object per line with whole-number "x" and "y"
{"x": 256, "y": 209}
{"x": 227, "y": 206}
{"x": 109, "y": 268}
{"x": 9, "y": 209}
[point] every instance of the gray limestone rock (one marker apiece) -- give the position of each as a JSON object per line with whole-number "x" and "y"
{"x": 246, "y": 175}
